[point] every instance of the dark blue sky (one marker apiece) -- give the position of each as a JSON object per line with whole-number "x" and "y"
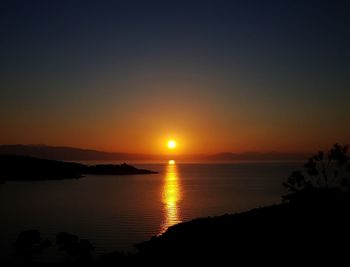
{"x": 253, "y": 68}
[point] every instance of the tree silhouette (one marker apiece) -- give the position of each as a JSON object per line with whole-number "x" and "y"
{"x": 323, "y": 171}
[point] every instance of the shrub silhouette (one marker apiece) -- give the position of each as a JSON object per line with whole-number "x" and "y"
{"x": 324, "y": 173}
{"x": 79, "y": 249}
{"x": 28, "y": 244}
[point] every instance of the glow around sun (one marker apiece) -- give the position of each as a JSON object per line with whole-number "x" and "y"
{"x": 171, "y": 144}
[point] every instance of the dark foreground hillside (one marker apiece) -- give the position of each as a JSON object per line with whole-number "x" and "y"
{"x": 295, "y": 232}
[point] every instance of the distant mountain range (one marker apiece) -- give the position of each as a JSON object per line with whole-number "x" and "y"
{"x": 72, "y": 153}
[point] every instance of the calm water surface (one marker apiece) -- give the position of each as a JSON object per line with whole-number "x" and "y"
{"x": 115, "y": 212}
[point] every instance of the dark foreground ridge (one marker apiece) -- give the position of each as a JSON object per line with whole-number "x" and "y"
{"x": 293, "y": 231}
{"x": 13, "y": 167}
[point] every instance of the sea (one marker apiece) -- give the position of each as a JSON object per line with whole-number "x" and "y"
{"x": 117, "y": 211}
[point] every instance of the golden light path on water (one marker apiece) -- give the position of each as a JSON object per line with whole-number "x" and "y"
{"x": 171, "y": 196}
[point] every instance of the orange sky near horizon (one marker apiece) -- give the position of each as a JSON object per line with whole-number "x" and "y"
{"x": 218, "y": 77}
{"x": 197, "y": 128}
{"x": 200, "y": 121}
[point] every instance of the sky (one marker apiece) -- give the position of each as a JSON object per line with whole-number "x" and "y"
{"x": 213, "y": 75}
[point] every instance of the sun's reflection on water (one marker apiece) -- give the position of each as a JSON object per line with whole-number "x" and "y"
{"x": 171, "y": 196}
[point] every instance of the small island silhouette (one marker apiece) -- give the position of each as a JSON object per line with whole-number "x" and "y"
{"x": 15, "y": 167}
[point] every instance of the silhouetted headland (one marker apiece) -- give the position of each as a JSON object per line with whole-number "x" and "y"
{"x": 13, "y": 167}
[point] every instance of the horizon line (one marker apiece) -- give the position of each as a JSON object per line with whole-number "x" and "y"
{"x": 246, "y": 152}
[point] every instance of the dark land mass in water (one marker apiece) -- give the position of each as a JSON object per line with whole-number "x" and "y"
{"x": 13, "y": 167}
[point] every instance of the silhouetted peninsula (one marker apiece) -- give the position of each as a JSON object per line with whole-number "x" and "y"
{"x": 13, "y": 167}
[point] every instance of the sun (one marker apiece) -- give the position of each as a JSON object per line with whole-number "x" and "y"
{"x": 171, "y": 144}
